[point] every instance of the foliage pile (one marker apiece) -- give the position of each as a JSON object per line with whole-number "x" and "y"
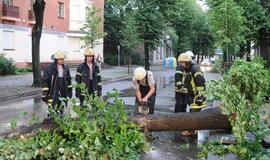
{"x": 99, "y": 131}
{"x": 242, "y": 92}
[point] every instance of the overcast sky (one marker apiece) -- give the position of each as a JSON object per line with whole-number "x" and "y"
{"x": 202, "y": 3}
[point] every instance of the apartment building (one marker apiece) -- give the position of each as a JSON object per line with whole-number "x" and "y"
{"x": 61, "y": 29}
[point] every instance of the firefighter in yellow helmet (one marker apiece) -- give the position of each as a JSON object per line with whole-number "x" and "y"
{"x": 189, "y": 85}
{"x": 88, "y": 73}
{"x": 56, "y": 83}
{"x": 145, "y": 90}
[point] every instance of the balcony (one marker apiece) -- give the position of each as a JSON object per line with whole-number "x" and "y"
{"x": 10, "y": 13}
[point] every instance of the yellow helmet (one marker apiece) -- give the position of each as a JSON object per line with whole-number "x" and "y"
{"x": 139, "y": 73}
{"x": 59, "y": 55}
{"x": 184, "y": 57}
{"x": 89, "y": 52}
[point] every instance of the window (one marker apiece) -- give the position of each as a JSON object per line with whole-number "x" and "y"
{"x": 60, "y": 11}
{"x": 9, "y": 41}
{"x": 7, "y": 2}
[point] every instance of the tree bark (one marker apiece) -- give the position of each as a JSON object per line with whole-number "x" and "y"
{"x": 205, "y": 120}
{"x": 264, "y": 39}
{"x": 209, "y": 119}
{"x": 146, "y": 54}
{"x": 39, "y": 7}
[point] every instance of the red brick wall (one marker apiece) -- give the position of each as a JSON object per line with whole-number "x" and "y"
{"x": 100, "y": 5}
{"x": 50, "y": 15}
{"x": 51, "y": 18}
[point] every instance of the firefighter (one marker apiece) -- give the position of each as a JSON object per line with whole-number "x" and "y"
{"x": 189, "y": 85}
{"x": 88, "y": 73}
{"x": 145, "y": 89}
{"x": 191, "y": 54}
{"x": 56, "y": 83}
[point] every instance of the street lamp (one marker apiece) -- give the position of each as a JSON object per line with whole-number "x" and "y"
{"x": 118, "y": 48}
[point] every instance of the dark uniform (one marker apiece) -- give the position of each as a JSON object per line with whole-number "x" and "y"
{"x": 188, "y": 85}
{"x": 55, "y": 86}
{"x": 144, "y": 89}
{"x": 93, "y": 85}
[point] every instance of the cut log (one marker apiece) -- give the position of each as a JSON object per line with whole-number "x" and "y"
{"x": 208, "y": 119}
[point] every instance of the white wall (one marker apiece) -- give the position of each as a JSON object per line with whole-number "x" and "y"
{"x": 78, "y": 14}
{"x": 22, "y": 44}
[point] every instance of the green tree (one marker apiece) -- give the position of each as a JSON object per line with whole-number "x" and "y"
{"x": 91, "y": 28}
{"x": 150, "y": 25}
{"x": 228, "y": 24}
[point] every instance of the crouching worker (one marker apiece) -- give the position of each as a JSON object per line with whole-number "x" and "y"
{"x": 89, "y": 74}
{"x": 145, "y": 90}
{"x": 56, "y": 83}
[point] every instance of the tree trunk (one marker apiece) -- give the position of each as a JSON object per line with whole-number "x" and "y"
{"x": 264, "y": 40}
{"x": 205, "y": 120}
{"x": 248, "y": 51}
{"x": 39, "y": 7}
{"x": 264, "y": 46}
{"x": 146, "y": 54}
{"x": 209, "y": 119}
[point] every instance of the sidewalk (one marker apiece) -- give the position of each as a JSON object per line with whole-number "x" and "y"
{"x": 16, "y": 86}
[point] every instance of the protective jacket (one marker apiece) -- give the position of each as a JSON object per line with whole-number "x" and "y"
{"x": 83, "y": 76}
{"x": 189, "y": 83}
{"x": 54, "y": 86}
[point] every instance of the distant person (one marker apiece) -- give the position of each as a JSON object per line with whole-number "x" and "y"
{"x": 56, "y": 83}
{"x": 88, "y": 73}
{"x": 191, "y": 54}
{"x": 145, "y": 90}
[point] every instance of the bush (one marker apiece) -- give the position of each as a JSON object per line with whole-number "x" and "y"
{"x": 242, "y": 91}
{"x": 6, "y": 65}
{"x": 23, "y": 70}
{"x": 217, "y": 66}
{"x": 99, "y": 131}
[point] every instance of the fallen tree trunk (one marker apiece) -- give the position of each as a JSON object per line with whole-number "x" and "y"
{"x": 208, "y": 119}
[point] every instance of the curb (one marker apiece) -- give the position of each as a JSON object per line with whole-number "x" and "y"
{"x": 38, "y": 91}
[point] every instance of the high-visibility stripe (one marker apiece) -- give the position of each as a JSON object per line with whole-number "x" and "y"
{"x": 198, "y": 74}
{"x": 44, "y": 96}
{"x": 45, "y": 89}
{"x": 79, "y": 74}
{"x": 178, "y": 83}
{"x": 70, "y": 86}
{"x": 193, "y": 84}
{"x": 194, "y": 106}
{"x": 200, "y": 88}
{"x": 99, "y": 84}
{"x": 179, "y": 72}
{"x": 99, "y": 74}
{"x": 50, "y": 100}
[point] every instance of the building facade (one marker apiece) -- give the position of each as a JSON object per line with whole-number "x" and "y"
{"x": 61, "y": 29}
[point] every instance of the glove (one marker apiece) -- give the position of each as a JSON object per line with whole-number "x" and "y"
{"x": 183, "y": 90}
{"x": 200, "y": 100}
{"x": 49, "y": 102}
{"x": 44, "y": 98}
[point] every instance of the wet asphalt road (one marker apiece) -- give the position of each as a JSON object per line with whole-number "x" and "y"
{"x": 164, "y": 145}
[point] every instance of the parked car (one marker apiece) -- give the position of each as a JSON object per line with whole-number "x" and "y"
{"x": 206, "y": 62}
